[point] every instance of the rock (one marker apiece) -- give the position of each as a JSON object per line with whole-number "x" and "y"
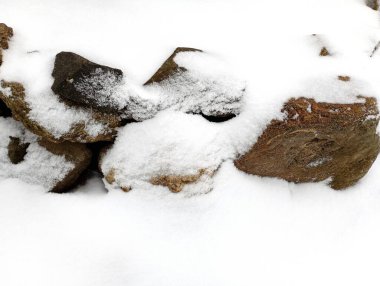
{"x": 317, "y": 141}
{"x": 192, "y": 88}
{"x": 374, "y": 4}
{"x": 4, "y": 110}
{"x": 344, "y": 78}
{"x": 176, "y": 183}
{"x": 78, "y": 154}
{"x": 35, "y": 160}
{"x": 13, "y": 94}
{"x": 16, "y": 150}
{"x": 85, "y": 83}
{"x": 170, "y": 67}
{"x": 324, "y": 52}
{"x": 5, "y": 34}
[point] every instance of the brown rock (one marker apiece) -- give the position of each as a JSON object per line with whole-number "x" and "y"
{"x": 176, "y": 183}
{"x": 5, "y": 34}
{"x": 17, "y": 150}
{"x": 317, "y": 141}
{"x": 85, "y": 83}
{"x": 20, "y": 111}
{"x": 169, "y": 67}
{"x": 374, "y": 4}
{"x": 76, "y": 153}
{"x": 324, "y": 52}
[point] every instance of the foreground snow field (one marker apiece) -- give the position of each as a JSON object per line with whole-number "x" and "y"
{"x": 247, "y": 230}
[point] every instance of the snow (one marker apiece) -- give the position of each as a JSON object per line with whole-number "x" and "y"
{"x": 39, "y": 166}
{"x": 247, "y": 230}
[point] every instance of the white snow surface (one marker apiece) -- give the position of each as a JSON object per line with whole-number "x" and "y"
{"x": 39, "y": 165}
{"x": 247, "y": 230}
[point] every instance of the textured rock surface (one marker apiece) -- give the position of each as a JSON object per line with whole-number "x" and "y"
{"x": 5, "y": 34}
{"x": 176, "y": 183}
{"x": 17, "y": 150}
{"x": 35, "y": 160}
{"x": 317, "y": 141}
{"x": 170, "y": 67}
{"x": 16, "y": 102}
{"x": 85, "y": 83}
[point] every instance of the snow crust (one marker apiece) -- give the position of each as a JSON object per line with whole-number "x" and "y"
{"x": 39, "y": 165}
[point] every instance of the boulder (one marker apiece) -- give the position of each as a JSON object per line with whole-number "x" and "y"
{"x": 169, "y": 67}
{"x": 35, "y": 160}
{"x": 317, "y": 141}
{"x": 374, "y": 4}
{"x": 193, "y": 88}
{"x": 5, "y": 34}
{"x": 13, "y": 94}
{"x": 85, "y": 83}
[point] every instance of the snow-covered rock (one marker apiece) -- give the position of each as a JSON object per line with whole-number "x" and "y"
{"x": 47, "y": 117}
{"x": 85, "y": 83}
{"x": 193, "y": 81}
{"x": 175, "y": 150}
{"x": 34, "y": 160}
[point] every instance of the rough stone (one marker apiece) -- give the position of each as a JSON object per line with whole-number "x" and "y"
{"x": 176, "y": 183}
{"x": 20, "y": 111}
{"x": 317, "y": 141}
{"x": 85, "y": 83}
{"x": 17, "y": 150}
{"x": 5, "y": 34}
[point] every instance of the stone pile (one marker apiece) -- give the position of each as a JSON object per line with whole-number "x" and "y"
{"x": 315, "y": 141}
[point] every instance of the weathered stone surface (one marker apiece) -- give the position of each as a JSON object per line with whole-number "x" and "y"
{"x": 20, "y": 111}
{"x": 317, "y": 141}
{"x": 374, "y": 4}
{"x": 324, "y": 52}
{"x": 17, "y": 150}
{"x": 76, "y": 153}
{"x": 85, "y": 83}
{"x": 35, "y": 160}
{"x": 176, "y": 183}
{"x": 5, "y": 34}
{"x": 4, "y": 110}
{"x": 169, "y": 67}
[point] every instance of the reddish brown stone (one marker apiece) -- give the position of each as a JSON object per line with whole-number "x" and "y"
{"x": 317, "y": 141}
{"x": 169, "y": 67}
